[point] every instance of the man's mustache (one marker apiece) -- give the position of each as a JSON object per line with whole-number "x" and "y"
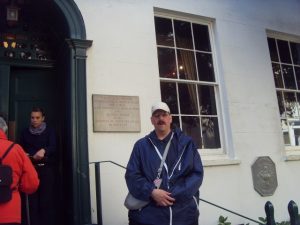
{"x": 161, "y": 122}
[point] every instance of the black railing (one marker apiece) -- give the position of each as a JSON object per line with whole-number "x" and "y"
{"x": 269, "y": 209}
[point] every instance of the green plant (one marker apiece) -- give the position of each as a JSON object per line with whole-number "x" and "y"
{"x": 223, "y": 221}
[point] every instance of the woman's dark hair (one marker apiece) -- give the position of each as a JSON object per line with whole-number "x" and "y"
{"x": 38, "y": 109}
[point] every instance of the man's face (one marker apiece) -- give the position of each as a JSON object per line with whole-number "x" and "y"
{"x": 161, "y": 121}
{"x": 36, "y": 119}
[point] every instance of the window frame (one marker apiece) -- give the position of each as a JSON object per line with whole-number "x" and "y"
{"x": 290, "y": 153}
{"x": 225, "y": 154}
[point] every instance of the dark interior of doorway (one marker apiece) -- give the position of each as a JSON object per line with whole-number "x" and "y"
{"x": 41, "y": 80}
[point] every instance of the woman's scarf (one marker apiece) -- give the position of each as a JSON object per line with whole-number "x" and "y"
{"x": 37, "y": 130}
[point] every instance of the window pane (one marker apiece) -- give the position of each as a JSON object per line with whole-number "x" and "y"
{"x": 205, "y": 67}
{"x": 297, "y": 113}
{"x": 164, "y": 31}
{"x": 290, "y": 104}
{"x": 207, "y": 100}
{"x": 284, "y": 52}
{"x": 167, "y": 62}
{"x": 183, "y": 34}
{"x": 288, "y": 76}
{"x": 188, "y": 99}
{"x": 191, "y": 127}
{"x": 285, "y": 131}
{"x": 175, "y": 122}
{"x": 280, "y": 103}
{"x": 295, "y": 47}
{"x": 201, "y": 37}
{"x": 297, "y": 73}
{"x": 296, "y": 128}
{"x": 186, "y": 65}
{"x": 169, "y": 95}
{"x": 277, "y": 75}
{"x": 210, "y": 132}
{"x": 272, "y": 49}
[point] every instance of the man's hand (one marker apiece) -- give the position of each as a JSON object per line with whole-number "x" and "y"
{"x": 162, "y": 197}
{"x": 39, "y": 154}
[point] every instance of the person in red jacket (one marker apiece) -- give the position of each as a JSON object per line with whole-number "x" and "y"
{"x": 25, "y": 178}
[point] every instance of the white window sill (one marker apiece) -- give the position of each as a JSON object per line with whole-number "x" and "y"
{"x": 292, "y": 153}
{"x": 218, "y": 160}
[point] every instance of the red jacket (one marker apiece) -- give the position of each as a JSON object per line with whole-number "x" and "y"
{"x": 25, "y": 178}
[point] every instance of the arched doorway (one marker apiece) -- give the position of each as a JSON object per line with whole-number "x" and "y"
{"x": 44, "y": 64}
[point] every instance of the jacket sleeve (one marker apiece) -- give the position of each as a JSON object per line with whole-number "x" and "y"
{"x": 138, "y": 185}
{"x": 188, "y": 184}
{"x": 29, "y": 180}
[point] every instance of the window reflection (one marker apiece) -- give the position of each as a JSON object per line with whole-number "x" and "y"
{"x": 191, "y": 126}
{"x": 164, "y": 31}
{"x": 273, "y": 49}
{"x": 183, "y": 34}
{"x": 210, "y": 132}
{"x": 207, "y": 100}
{"x": 277, "y": 75}
{"x": 295, "y": 47}
{"x": 188, "y": 99}
{"x": 284, "y": 52}
{"x": 297, "y": 73}
{"x": 288, "y": 76}
{"x": 167, "y": 63}
{"x": 169, "y": 95}
{"x": 205, "y": 67}
{"x": 186, "y": 65}
{"x": 201, "y": 35}
{"x": 280, "y": 102}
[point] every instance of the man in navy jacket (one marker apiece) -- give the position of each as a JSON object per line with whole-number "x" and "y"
{"x": 176, "y": 201}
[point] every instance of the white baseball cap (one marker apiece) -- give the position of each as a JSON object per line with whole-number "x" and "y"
{"x": 160, "y": 106}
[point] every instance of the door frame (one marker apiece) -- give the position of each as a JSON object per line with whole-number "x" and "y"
{"x": 78, "y": 189}
{"x": 77, "y": 124}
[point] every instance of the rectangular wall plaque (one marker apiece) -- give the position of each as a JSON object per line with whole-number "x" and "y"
{"x": 114, "y": 113}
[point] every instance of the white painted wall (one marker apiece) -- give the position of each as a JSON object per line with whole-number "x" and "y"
{"x": 123, "y": 61}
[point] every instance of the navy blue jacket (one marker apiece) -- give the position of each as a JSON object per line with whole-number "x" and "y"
{"x": 182, "y": 176}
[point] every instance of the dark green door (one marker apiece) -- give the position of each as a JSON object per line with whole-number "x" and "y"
{"x": 31, "y": 87}
{"x": 40, "y": 87}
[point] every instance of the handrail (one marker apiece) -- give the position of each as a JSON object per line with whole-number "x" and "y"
{"x": 98, "y": 194}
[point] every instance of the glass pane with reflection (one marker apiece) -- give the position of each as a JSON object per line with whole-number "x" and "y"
{"x": 167, "y": 62}
{"x": 297, "y": 73}
{"x": 288, "y": 77}
{"x": 169, "y": 95}
{"x": 285, "y": 132}
{"x": 201, "y": 37}
{"x": 280, "y": 103}
{"x": 183, "y": 34}
{"x": 210, "y": 132}
{"x": 277, "y": 75}
{"x": 273, "y": 49}
{"x": 284, "y": 51}
{"x": 191, "y": 127}
{"x": 186, "y": 65}
{"x": 290, "y": 105}
{"x": 205, "y": 67}
{"x": 175, "y": 122}
{"x": 188, "y": 99}
{"x": 295, "y": 48}
{"x": 164, "y": 31}
{"x": 207, "y": 100}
